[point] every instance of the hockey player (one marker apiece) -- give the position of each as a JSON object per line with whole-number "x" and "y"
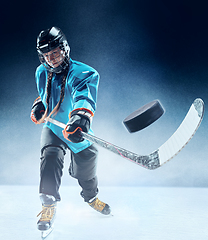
{"x": 68, "y": 93}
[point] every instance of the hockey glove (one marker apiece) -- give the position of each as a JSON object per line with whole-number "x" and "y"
{"x": 37, "y": 111}
{"x": 79, "y": 121}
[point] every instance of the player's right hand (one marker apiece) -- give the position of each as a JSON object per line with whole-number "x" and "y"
{"x": 37, "y": 111}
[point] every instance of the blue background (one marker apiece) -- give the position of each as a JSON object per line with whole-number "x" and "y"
{"x": 143, "y": 50}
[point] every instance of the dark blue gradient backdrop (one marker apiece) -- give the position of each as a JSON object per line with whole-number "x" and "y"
{"x": 143, "y": 50}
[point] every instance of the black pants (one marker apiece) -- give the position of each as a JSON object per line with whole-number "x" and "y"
{"x": 82, "y": 167}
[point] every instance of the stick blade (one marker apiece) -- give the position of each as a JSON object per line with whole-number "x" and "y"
{"x": 184, "y": 133}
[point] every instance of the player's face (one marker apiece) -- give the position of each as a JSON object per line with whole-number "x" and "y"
{"x": 55, "y": 57}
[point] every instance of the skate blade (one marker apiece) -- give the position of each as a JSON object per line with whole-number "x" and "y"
{"x": 45, "y": 234}
{"x": 110, "y": 215}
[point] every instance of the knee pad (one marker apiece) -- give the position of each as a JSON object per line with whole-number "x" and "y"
{"x": 53, "y": 156}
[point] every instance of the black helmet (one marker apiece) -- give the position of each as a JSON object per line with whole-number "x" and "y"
{"x": 49, "y": 40}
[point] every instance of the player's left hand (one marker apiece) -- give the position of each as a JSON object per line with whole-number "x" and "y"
{"x": 78, "y": 122}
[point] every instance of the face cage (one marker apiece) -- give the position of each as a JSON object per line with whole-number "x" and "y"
{"x": 64, "y": 47}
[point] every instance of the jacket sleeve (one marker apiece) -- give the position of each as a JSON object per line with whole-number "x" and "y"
{"x": 84, "y": 90}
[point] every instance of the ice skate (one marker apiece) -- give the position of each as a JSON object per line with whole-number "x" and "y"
{"x": 100, "y": 206}
{"x": 45, "y": 223}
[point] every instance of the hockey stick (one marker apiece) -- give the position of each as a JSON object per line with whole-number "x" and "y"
{"x": 167, "y": 151}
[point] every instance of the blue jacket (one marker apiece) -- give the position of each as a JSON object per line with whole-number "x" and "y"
{"x": 80, "y": 92}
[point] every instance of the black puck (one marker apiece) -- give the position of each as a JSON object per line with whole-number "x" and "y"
{"x": 144, "y": 116}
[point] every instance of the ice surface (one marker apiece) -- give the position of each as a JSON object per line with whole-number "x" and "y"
{"x": 140, "y": 213}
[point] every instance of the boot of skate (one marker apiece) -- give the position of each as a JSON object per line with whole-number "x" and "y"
{"x": 48, "y": 212}
{"x": 99, "y": 206}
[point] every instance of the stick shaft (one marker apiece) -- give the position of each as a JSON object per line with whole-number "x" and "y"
{"x": 149, "y": 161}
